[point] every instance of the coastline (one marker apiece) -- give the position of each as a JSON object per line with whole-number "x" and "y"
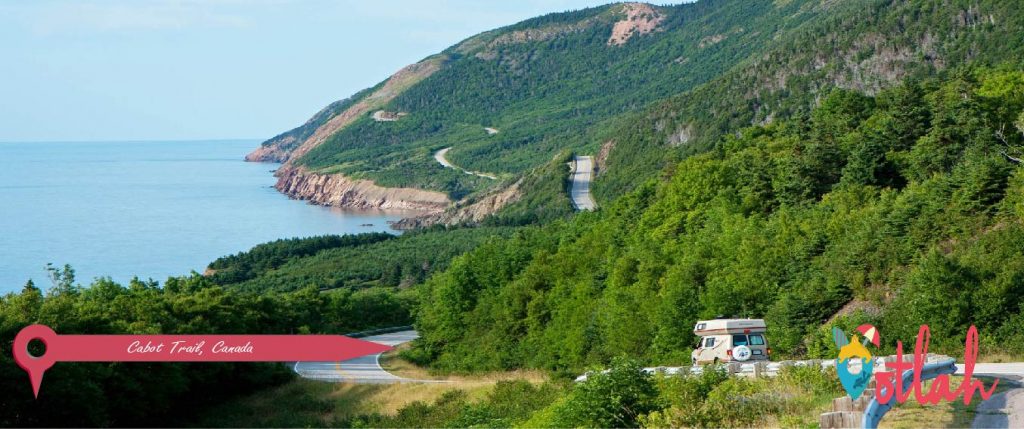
{"x": 336, "y": 190}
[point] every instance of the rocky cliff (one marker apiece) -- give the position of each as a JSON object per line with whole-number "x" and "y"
{"x": 339, "y": 191}
{"x": 335, "y": 189}
{"x": 466, "y": 212}
{"x": 275, "y": 152}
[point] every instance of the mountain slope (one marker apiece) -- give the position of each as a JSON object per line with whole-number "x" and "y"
{"x": 907, "y": 201}
{"x": 638, "y": 85}
{"x": 507, "y": 101}
{"x": 864, "y": 46}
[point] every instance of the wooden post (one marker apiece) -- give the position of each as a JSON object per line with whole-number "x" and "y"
{"x": 846, "y": 413}
{"x": 841, "y": 420}
{"x": 844, "y": 403}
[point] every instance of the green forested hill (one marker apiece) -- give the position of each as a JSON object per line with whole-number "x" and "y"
{"x": 705, "y": 69}
{"x": 350, "y": 261}
{"x": 782, "y": 159}
{"x": 907, "y": 203}
{"x": 863, "y": 46}
{"x": 291, "y": 139}
{"x": 545, "y": 85}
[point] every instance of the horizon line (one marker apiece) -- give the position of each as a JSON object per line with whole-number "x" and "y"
{"x": 134, "y": 140}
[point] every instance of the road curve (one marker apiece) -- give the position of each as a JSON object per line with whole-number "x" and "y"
{"x": 1005, "y": 409}
{"x": 582, "y": 173}
{"x": 362, "y": 370}
{"x": 439, "y": 156}
{"x": 1010, "y": 368}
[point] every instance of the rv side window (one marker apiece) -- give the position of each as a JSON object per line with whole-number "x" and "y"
{"x": 709, "y": 342}
{"x": 739, "y": 340}
{"x": 700, "y": 327}
{"x": 756, "y": 340}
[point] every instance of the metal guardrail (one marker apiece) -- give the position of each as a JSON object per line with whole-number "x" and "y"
{"x": 768, "y": 368}
{"x": 368, "y": 333}
{"x": 749, "y": 369}
{"x": 379, "y": 331}
{"x": 875, "y": 411}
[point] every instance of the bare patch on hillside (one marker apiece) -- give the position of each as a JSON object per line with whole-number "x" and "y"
{"x": 682, "y": 136}
{"x": 601, "y": 160}
{"x": 386, "y": 116}
{"x": 711, "y": 40}
{"x": 548, "y": 32}
{"x": 398, "y": 82}
{"x": 641, "y": 18}
{"x": 854, "y": 306}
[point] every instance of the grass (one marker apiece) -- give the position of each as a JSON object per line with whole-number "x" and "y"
{"x": 305, "y": 403}
{"x": 394, "y": 364}
{"x": 794, "y": 400}
{"x": 1000, "y": 357}
{"x": 913, "y": 414}
{"x": 308, "y": 403}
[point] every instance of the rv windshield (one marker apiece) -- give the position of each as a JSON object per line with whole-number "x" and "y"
{"x": 739, "y": 340}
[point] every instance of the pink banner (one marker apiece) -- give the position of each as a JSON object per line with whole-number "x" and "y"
{"x": 182, "y": 348}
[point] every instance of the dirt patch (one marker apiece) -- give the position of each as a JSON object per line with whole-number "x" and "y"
{"x": 682, "y": 136}
{"x": 710, "y": 40}
{"x": 854, "y": 306}
{"x": 641, "y": 18}
{"x": 386, "y": 116}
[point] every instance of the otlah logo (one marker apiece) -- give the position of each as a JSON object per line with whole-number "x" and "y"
{"x": 855, "y": 350}
{"x": 891, "y": 384}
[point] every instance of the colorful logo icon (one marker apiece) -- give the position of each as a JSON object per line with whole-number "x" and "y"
{"x": 906, "y": 376}
{"x": 855, "y": 352}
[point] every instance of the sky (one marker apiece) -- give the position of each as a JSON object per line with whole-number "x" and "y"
{"x": 101, "y": 70}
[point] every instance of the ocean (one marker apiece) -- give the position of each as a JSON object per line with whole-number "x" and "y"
{"x": 146, "y": 209}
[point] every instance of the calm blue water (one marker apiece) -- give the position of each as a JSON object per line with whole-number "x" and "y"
{"x": 147, "y": 209}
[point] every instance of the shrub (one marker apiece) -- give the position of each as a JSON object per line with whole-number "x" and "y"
{"x": 611, "y": 399}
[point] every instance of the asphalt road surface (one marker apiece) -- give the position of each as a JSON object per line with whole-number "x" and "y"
{"x": 363, "y": 370}
{"x": 582, "y": 173}
{"x": 439, "y": 156}
{"x": 1002, "y": 410}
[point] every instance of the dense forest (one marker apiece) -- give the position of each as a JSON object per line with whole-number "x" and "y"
{"x": 350, "y": 261}
{"x": 906, "y": 204}
{"x": 327, "y": 284}
{"x": 863, "y": 46}
{"x": 157, "y": 394}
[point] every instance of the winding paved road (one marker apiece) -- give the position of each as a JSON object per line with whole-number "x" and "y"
{"x": 1005, "y": 409}
{"x": 439, "y": 156}
{"x": 582, "y": 173}
{"x": 362, "y": 370}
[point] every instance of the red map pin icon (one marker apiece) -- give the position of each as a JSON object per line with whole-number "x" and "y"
{"x": 181, "y": 348}
{"x": 34, "y": 366}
